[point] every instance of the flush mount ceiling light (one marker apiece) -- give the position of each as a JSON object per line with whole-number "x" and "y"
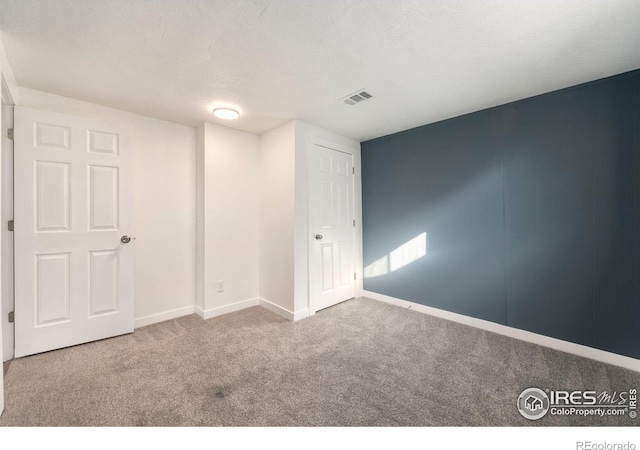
{"x": 226, "y": 113}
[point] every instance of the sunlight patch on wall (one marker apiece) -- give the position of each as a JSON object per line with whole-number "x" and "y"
{"x": 402, "y": 256}
{"x": 408, "y": 252}
{"x": 377, "y": 268}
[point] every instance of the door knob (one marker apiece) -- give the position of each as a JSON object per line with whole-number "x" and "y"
{"x": 125, "y": 239}
{"x": 318, "y": 237}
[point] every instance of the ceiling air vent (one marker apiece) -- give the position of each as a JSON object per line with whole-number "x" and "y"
{"x": 356, "y": 97}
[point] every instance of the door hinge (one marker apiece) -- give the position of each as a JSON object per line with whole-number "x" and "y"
{"x": 10, "y": 225}
{"x": 354, "y": 222}
{"x": 10, "y": 133}
{"x": 11, "y": 317}
{"x": 353, "y": 170}
{"x": 354, "y": 275}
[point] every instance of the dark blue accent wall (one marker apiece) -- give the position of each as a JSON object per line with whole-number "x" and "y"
{"x": 531, "y": 212}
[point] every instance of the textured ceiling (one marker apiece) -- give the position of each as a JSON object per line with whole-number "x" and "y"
{"x": 424, "y": 60}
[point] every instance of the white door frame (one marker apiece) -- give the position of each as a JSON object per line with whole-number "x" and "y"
{"x": 354, "y": 151}
{"x": 6, "y": 214}
{"x": 7, "y": 99}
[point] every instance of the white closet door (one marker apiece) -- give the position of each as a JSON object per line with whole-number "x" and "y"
{"x": 331, "y": 214}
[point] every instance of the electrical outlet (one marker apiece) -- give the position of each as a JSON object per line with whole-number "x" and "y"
{"x": 220, "y": 285}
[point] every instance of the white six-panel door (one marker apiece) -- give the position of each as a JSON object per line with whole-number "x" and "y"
{"x": 73, "y": 204}
{"x": 331, "y": 214}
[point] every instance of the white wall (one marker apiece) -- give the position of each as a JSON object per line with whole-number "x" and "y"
{"x": 277, "y": 184}
{"x": 164, "y": 204}
{"x": 229, "y": 214}
{"x": 8, "y": 78}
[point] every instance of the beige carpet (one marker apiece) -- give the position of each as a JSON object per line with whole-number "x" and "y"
{"x": 359, "y": 363}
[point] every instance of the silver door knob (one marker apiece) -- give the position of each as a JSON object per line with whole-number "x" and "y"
{"x": 125, "y": 239}
{"x": 318, "y": 237}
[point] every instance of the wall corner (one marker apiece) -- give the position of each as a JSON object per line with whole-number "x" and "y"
{"x": 9, "y": 84}
{"x": 200, "y": 216}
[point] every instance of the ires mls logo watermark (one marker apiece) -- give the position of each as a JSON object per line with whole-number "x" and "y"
{"x": 534, "y": 403}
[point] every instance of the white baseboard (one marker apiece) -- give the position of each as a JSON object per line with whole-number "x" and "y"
{"x": 527, "y": 336}
{"x": 279, "y": 310}
{"x": 214, "y": 312}
{"x": 302, "y": 314}
{"x": 226, "y": 309}
{"x": 161, "y": 317}
{"x": 289, "y": 315}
